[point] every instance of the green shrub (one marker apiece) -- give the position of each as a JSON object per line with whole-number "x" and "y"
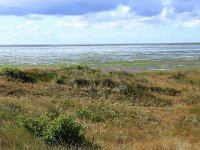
{"x": 43, "y": 76}
{"x": 55, "y": 130}
{"x": 64, "y": 131}
{"x": 13, "y": 73}
{"x": 59, "y": 80}
{"x": 35, "y": 125}
{"x": 16, "y": 74}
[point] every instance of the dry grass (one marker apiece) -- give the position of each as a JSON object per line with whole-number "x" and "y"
{"x": 119, "y": 110}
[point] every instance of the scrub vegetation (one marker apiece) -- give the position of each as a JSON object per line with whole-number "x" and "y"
{"x": 76, "y": 107}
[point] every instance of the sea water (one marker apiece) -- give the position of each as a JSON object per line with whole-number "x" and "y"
{"x": 91, "y": 54}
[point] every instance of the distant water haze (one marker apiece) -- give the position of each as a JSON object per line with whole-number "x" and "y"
{"x": 91, "y": 54}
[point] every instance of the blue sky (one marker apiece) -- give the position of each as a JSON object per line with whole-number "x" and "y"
{"x": 99, "y": 21}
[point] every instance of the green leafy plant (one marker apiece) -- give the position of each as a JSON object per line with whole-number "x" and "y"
{"x": 55, "y": 130}
{"x": 65, "y": 131}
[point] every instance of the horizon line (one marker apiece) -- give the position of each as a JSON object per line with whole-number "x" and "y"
{"x": 99, "y": 44}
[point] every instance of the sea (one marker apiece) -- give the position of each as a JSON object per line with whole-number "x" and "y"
{"x": 97, "y": 54}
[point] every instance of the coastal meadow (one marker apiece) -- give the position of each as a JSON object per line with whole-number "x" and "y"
{"x": 77, "y": 107}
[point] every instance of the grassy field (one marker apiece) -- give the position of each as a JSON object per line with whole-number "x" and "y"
{"x": 114, "y": 110}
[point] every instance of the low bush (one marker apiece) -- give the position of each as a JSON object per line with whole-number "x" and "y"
{"x": 55, "y": 130}
{"x": 65, "y": 131}
{"x": 35, "y": 125}
{"x": 16, "y": 74}
{"x": 43, "y": 76}
{"x": 59, "y": 79}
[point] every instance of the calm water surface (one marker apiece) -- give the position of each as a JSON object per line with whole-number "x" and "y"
{"x": 39, "y": 55}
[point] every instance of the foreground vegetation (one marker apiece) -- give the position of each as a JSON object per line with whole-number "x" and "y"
{"x": 79, "y": 107}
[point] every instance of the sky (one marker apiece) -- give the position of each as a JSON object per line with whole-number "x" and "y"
{"x": 99, "y": 21}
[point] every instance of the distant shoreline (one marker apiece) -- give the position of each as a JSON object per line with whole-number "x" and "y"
{"x": 109, "y": 44}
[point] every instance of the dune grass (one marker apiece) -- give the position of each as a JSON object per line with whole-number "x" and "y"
{"x": 116, "y": 110}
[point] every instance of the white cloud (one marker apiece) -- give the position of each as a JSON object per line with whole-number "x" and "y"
{"x": 118, "y": 18}
{"x": 191, "y": 24}
{"x": 48, "y": 33}
{"x": 29, "y": 22}
{"x": 139, "y": 26}
{"x": 166, "y": 14}
{"x": 109, "y": 24}
{"x": 36, "y": 29}
{"x": 17, "y": 27}
{"x": 122, "y": 12}
{"x": 2, "y": 29}
{"x": 75, "y": 22}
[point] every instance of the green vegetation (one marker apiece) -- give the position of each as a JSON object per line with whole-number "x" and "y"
{"x": 60, "y": 130}
{"x": 98, "y": 113}
{"x": 16, "y": 74}
{"x": 76, "y": 107}
{"x": 59, "y": 80}
{"x": 149, "y": 65}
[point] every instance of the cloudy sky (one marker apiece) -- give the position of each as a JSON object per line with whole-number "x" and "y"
{"x": 99, "y": 21}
